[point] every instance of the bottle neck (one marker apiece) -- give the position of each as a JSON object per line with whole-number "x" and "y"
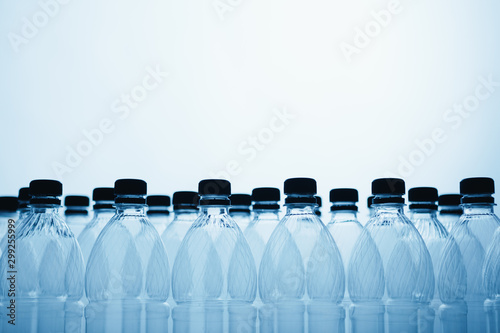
{"x": 45, "y": 208}
{"x": 344, "y": 215}
{"x": 76, "y": 210}
{"x": 185, "y": 214}
{"x": 214, "y": 210}
{"x": 388, "y": 208}
{"x": 478, "y": 209}
{"x": 451, "y": 210}
{"x": 131, "y": 209}
{"x": 418, "y": 213}
{"x": 245, "y": 210}
{"x": 300, "y": 209}
{"x": 104, "y": 212}
{"x": 266, "y": 214}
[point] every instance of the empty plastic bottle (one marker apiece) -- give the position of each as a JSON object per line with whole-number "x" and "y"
{"x": 319, "y": 203}
{"x": 423, "y": 214}
{"x": 18, "y": 217}
{"x": 48, "y": 274}
{"x": 345, "y": 229}
{"x": 214, "y": 278}
{"x": 8, "y": 210}
{"x": 240, "y": 210}
{"x": 301, "y": 275}
{"x": 76, "y": 213}
{"x": 450, "y": 210}
{"x": 104, "y": 210}
{"x": 491, "y": 281}
{"x": 474, "y": 234}
{"x": 158, "y": 212}
{"x": 127, "y": 277}
{"x": 409, "y": 276}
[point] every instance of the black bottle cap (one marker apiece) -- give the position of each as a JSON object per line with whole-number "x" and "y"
{"x": 220, "y": 188}
{"x": 240, "y": 200}
{"x": 45, "y": 191}
{"x": 319, "y": 202}
{"x": 450, "y": 200}
{"x": 130, "y": 191}
{"x": 423, "y": 198}
{"x": 344, "y": 195}
{"x": 103, "y": 194}
{"x": 388, "y": 190}
{"x": 477, "y": 190}
{"x": 266, "y": 198}
{"x": 8, "y": 204}
{"x": 265, "y": 194}
{"x": 23, "y": 197}
{"x": 76, "y": 200}
{"x": 186, "y": 200}
{"x": 300, "y": 190}
{"x": 369, "y": 201}
{"x": 158, "y": 200}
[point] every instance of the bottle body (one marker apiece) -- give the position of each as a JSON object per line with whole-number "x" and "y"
{"x": 89, "y": 234}
{"x": 491, "y": 282}
{"x": 127, "y": 277}
{"x": 301, "y": 275}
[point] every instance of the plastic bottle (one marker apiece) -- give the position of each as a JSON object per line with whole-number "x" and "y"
{"x": 474, "y": 234}
{"x": 76, "y": 213}
{"x": 345, "y": 229}
{"x": 214, "y": 276}
{"x": 104, "y": 210}
{"x": 408, "y": 271}
{"x": 158, "y": 212}
{"x": 240, "y": 210}
{"x": 127, "y": 277}
{"x": 8, "y": 211}
{"x": 48, "y": 270}
{"x": 423, "y": 214}
{"x": 450, "y": 210}
{"x": 491, "y": 281}
{"x": 301, "y": 275}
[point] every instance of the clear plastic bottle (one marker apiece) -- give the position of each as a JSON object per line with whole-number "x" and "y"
{"x": 158, "y": 212}
{"x": 214, "y": 276}
{"x": 345, "y": 229}
{"x": 450, "y": 210}
{"x": 76, "y": 213}
{"x": 240, "y": 210}
{"x": 474, "y": 235}
{"x": 104, "y": 210}
{"x": 8, "y": 211}
{"x": 266, "y": 211}
{"x": 491, "y": 281}
{"x": 127, "y": 277}
{"x": 301, "y": 275}
{"x": 408, "y": 271}
{"x": 49, "y": 270}
{"x": 423, "y": 214}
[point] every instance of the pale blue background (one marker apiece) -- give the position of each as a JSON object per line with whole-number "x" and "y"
{"x": 352, "y": 120}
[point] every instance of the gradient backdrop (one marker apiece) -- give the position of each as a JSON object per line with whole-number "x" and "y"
{"x": 255, "y": 91}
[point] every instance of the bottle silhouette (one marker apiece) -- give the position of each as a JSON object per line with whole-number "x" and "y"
{"x": 266, "y": 210}
{"x": 423, "y": 214}
{"x": 158, "y": 212}
{"x": 240, "y": 210}
{"x": 473, "y": 235}
{"x": 104, "y": 210}
{"x": 301, "y": 275}
{"x": 491, "y": 281}
{"x": 76, "y": 213}
{"x": 345, "y": 229}
{"x": 214, "y": 276}
{"x": 450, "y": 210}
{"x": 408, "y": 271}
{"x": 127, "y": 277}
{"x": 48, "y": 273}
